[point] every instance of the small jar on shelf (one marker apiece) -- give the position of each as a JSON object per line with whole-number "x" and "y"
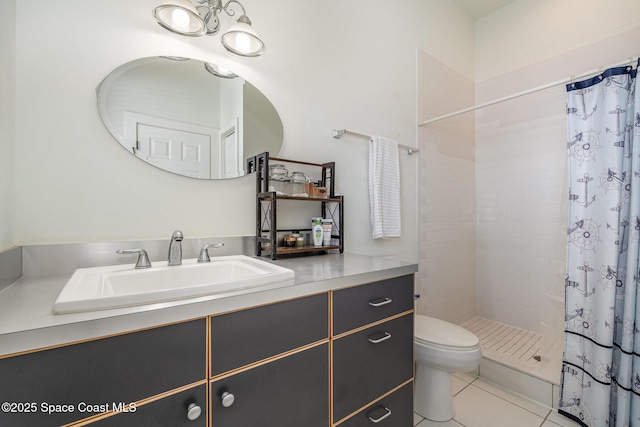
{"x": 279, "y": 180}
{"x": 320, "y": 192}
{"x": 310, "y": 186}
{"x": 298, "y": 185}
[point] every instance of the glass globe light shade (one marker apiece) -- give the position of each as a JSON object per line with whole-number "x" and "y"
{"x": 242, "y": 40}
{"x": 181, "y": 17}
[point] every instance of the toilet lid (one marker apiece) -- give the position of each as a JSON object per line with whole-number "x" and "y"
{"x": 436, "y": 331}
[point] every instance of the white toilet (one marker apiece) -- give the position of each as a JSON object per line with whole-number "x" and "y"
{"x": 440, "y": 349}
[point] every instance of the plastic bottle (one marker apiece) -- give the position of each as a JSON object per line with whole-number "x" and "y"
{"x": 327, "y": 226}
{"x": 317, "y": 232}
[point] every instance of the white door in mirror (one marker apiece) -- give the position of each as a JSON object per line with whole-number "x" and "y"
{"x": 175, "y": 150}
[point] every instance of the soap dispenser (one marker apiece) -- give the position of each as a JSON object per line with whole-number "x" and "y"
{"x": 317, "y": 232}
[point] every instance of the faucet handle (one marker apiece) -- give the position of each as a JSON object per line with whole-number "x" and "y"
{"x": 204, "y": 253}
{"x": 143, "y": 258}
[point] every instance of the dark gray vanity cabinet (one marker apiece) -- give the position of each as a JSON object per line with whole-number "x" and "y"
{"x": 291, "y": 391}
{"x": 244, "y": 337}
{"x": 361, "y": 305}
{"x": 270, "y": 365}
{"x": 64, "y": 384}
{"x": 339, "y": 358}
{"x": 373, "y": 349}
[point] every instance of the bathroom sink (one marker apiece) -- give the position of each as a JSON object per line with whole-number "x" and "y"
{"x": 115, "y": 286}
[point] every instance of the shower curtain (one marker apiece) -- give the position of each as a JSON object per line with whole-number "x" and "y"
{"x": 601, "y": 363}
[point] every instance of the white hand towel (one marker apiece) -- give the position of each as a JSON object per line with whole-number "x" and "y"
{"x": 384, "y": 187}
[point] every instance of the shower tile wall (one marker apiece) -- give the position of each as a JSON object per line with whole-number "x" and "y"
{"x": 446, "y": 279}
{"x": 521, "y": 207}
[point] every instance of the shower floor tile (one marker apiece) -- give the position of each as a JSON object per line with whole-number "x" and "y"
{"x": 505, "y": 339}
{"x": 518, "y": 348}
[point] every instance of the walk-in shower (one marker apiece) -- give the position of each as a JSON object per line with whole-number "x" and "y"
{"x": 515, "y": 154}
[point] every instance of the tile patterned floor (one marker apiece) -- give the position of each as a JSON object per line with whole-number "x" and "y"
{"x": 479, "y": 403}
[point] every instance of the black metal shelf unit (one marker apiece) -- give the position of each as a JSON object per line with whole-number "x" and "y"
{"x": 267, "y": 208}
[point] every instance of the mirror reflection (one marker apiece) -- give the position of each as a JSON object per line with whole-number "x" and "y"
{"x": 188, "y": 117}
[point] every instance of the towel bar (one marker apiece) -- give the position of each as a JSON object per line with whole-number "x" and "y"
{"x": 337, "y": 133}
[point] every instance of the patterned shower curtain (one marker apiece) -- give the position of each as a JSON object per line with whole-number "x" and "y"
{"x": 601, "y": 363}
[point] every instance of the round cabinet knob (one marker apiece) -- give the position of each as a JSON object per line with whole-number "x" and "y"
{"x": 193, "y": 412}
{"x": 227, "y": 399}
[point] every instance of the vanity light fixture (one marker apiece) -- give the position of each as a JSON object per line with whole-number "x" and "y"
{"x": 195, "y": 18}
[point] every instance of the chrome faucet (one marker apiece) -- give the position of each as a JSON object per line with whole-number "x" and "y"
{"x": 175, "y": 248}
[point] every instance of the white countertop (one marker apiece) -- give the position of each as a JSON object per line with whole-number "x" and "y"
{"x": 27, "y": 321}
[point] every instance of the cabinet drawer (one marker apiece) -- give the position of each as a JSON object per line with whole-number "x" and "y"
{"x": 125, "y": 368}
{"x": 170, "y": 411}
{"x": 288, "y": 392}
{"x": 247, "y": 336}
{"x": 370, "y": 363}
{"x": 395, "y": 410}
{"x": 361, "y": 305}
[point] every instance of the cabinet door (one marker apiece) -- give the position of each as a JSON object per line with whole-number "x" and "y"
{"x": 361, "y": 305}
{"x": 170, "y": 411}
{"x": 121, "y": 369}
{"x": 395, "y": 410}
{"x": 247, "y": 336}
{"x": 288, "y": 392}
{"x": 370, "y": 363}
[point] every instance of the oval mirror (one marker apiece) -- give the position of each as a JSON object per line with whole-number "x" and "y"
{"x": 188, "y": 117}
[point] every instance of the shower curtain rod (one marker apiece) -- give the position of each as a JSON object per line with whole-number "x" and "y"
{"x": 529, "y": 91}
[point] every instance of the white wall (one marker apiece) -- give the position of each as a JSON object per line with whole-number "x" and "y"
{"x": 328, "y": 65}
{"x": 449, "y": 34}
{"x": 521, "y": 147}
{"x": 447, "y": 186}
{"x": 7, "y": 117}
{"x": 527, "y": 32}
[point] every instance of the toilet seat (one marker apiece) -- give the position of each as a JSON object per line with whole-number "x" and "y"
{"x": 438, "y": 333}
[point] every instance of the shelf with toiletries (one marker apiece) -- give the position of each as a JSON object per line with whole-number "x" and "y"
{"x": 274, "y": 185}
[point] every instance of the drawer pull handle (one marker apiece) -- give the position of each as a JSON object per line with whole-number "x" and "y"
{"x": 377, "y": 420}
{"x": 380, "y": 302}
{"x": 385, "y": 337}
{"x": 193, "y": 412}
{"x": 227, "y": 399}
